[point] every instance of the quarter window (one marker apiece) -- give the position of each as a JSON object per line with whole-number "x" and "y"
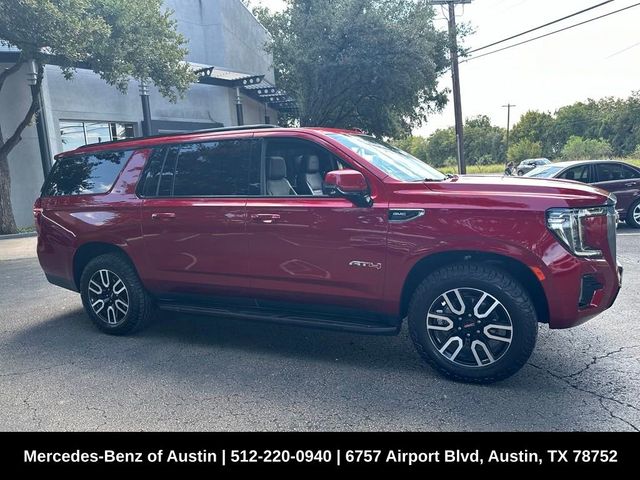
{"x": 85, "y": 174}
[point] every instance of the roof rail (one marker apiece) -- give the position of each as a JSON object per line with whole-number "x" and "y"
{"x": 178, "y": 134}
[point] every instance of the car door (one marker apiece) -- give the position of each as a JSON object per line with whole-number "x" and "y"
{"x": 194, "y": 216}
{"x": 311, "y": 248}
{"x": 621, "y": 180}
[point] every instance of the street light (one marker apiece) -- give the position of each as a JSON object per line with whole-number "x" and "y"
{"x": 146, "y": 109}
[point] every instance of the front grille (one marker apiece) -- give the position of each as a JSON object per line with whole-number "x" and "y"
{"x": 587, "y": 289}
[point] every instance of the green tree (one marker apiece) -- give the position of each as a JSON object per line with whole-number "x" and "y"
{"x": 537, "y": 127}
{"x": 524, "y": 149}
{"x": 117, "y": 39}
{"x": 441, "y": 147}
{"x": 578, "y": 148}
{"x": 415, "y": 145}
{"x": 483, "y": 142}
{"x": 369, "y": 64}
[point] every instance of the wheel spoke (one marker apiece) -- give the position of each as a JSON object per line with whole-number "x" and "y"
{"x": 439, "y": 318}
{"x": 455, "y": 310}
{"x": 476, "y": 309}
{"x": 95, "y": 288}
{"x": 122, "y": 306}
{"x": 506, "y": 328}
{"x": 119, "y": 287}
{"x": 487, "y": 352}
{"x": 104, "y": 278}
{"x": 97, "y": 303}
{"x": 444, "y": 348}
{"x": 111, "y": 315}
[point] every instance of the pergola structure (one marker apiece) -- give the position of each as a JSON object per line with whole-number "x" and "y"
{"x": 252, "y": 85}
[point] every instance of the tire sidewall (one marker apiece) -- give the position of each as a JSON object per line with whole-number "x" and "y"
{"x": 524, "y": 324}
{"x": 630, "y": 221}
{"x": 121, "y": 268}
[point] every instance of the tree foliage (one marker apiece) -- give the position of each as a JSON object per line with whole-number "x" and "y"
{"x": 578, "y": 148}
{"x": 524, "y": 149}
{"x": 369, "y": 64}
{"x": 117, "y": 39}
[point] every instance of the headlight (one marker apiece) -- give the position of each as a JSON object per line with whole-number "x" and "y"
{"x": 582, "y": 231}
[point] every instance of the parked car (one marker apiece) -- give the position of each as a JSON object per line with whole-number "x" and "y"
{"x": 616, "y": 177}
{"x": 328, "y": 229}
{"x": 526, "y": 166}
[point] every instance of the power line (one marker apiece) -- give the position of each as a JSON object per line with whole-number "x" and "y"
{"x": 541, "y": 26}
{"x": 552, "y": 33}
{"x": 622, "y": 51}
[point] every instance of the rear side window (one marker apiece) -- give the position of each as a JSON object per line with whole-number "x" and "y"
{"x": 220, "y": 168}
{"x": 89, "y": 174}
{"x": 609, "y": 172}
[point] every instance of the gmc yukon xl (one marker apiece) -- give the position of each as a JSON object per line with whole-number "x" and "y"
{"x": 328, "y": 229}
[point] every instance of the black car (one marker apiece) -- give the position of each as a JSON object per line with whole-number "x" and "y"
{"x": 531, "y": 163}
{"x": 613, "y": 176}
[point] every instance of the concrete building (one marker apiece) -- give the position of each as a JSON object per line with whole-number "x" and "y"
{"x": 221, "y": 33}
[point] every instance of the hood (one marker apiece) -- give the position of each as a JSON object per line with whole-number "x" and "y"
{"x": 511, "y": 192}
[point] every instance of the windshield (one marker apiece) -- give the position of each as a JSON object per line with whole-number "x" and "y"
{"x": 391, "y": 160}
{"x": 545, "y": 171}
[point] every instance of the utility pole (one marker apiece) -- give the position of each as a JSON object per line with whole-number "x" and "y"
{"x": 508, "y": 106}
{"x": 455, "y": 74}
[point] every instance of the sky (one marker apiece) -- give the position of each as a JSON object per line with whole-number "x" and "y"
{"x": 596, "y": 60}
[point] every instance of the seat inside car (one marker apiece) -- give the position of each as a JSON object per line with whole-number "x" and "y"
{"x": 312, "y": 175}
{"x": 277, "y": 183}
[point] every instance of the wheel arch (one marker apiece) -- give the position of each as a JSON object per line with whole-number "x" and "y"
{"x": 88, "y": 251}
{"x": 517, "y": 269}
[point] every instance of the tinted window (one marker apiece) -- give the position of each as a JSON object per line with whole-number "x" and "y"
{"x": 609, "y": 172}
{"x": 85, "y": 174}
{"x": 579, "y": 174}
{"x": 219, "y": 168}
{"x": 149, "y": 185}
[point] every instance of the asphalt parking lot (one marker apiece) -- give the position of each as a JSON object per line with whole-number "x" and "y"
{"x": 57, "y": 372}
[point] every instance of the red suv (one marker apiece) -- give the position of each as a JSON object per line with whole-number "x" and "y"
{"x": 328, "y": 229}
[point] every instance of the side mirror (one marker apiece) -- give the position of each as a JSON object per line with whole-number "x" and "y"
{"x": 349, "y": 184}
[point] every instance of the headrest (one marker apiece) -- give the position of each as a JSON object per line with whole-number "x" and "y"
{"x": 311, "y": 164}
{"x": 277, "y": 168}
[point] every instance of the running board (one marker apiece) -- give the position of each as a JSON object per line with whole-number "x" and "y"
{"x": 323, "y": 322}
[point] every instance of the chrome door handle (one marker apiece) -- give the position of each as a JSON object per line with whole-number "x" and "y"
{"x": 163, "y": 216}
{"x": 267, "y": 218}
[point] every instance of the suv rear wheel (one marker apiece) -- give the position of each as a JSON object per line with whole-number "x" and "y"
{"x": 473, "y": 323}
{"x": 114, "y": 297}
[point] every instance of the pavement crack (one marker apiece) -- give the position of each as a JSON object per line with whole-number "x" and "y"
{"x": 613, "y": 415}
{"x": 565, "y": 380}
{"x": 103, "y": 413}
{"x": 598, "y": 358}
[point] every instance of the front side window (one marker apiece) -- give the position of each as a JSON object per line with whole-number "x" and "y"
{"x": 396, "y": 163}
{"x": 579, "y": 174}
{"x": 218, "y": 168}
{"x": 88, "y": 174}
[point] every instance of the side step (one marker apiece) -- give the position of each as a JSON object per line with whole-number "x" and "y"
{"x": 302, "y": 319}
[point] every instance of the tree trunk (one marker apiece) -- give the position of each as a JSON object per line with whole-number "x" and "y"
{"x": 7, "y": 220}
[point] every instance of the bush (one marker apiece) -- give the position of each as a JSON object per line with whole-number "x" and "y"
{"x": 524, "y": 149}
{"x": 578, "y": 148}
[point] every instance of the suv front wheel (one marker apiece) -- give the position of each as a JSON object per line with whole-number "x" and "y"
{"x": 113, "y": 296}
{"x": 473, "y": 323}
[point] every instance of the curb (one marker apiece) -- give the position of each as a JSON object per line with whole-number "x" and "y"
{"x": 18, "y": 235}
